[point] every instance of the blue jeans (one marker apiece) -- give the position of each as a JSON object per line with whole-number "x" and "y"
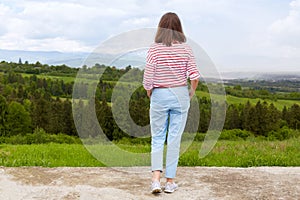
{"x": 168, "y": 113}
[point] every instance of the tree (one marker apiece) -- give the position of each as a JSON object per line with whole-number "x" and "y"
{"x": 246, "y": 116}
{"x": 253, "y": 121}
{"x": 56, "y": 117}
{"x": 261, "y": 115}
{"x": 78, "y": 113}
{"x": 56, "y": 89}
{"x": 40, "y": 113}
{"x": 237, "y": 87}
{"x": 67, "y": 119}
{"x": 3, "y": 110}
{"x": 232, "y": 118}
{"x": 272, "y": 118}
{"x": 121, "y": 114}
{"x": 21, "y": 92}
{"x": 205, "y": 114}
{"x": 18, "y": 120}
{"x": 284, "y": 115}
{"x": 294, "y": 116}
{"x": 139, "y": 107}
{"x": 105, "y": 118}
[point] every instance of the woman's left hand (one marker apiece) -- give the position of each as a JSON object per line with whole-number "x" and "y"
{"x": 149, "y": 92}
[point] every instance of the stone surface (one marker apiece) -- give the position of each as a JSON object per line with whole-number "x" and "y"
{"x": 134, "y": 183}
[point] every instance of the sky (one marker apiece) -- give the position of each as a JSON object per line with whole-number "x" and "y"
{"x": 238, "y": 35}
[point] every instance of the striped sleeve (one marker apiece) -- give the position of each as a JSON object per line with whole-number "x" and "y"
{"x": 149, "y": 70}
{"x": 192, "y": 70}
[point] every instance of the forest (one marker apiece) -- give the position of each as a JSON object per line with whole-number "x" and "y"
{"x": 37, "y": 99}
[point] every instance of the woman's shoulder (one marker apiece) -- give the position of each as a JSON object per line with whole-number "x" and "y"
{"x": 187, "y": 47}
{"x": 160, "y": 46}
{"x": 155, "y": 44}
{"x": 154, "y": 47}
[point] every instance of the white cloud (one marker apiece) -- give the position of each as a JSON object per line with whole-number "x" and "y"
{"x": 14, "y": 42}
{"x": 133, "y": 23}
{"x": 286, "y": 31}
{"x": 5, "y": 14}
{"x": 38, "y": 22}
{"x": 248, "y": 28}
{"x": 273, "y": 43}
{"x": 90, "y": 22}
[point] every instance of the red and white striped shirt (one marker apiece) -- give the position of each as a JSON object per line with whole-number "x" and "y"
{"x": 169, "y": 66}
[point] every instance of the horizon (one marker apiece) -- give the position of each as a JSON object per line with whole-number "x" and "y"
{"x": 80, "y": 62}
{"x": 221, "y": 72}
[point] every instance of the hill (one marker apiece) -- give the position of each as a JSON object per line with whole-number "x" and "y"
{"x": 46, "y": 57}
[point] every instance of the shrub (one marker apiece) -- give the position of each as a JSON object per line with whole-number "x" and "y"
{"x": 199, "y": 137}
{"x": 134, "y": 141}
{"x": 16, "y": 139}
{"x": 283, "y": 134}
{"x": 39, "y": 136}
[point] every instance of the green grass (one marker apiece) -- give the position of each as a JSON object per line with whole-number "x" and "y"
{"x": 225, "y": 153}
{"x": 246, "y": 154}
{"x": 46, "y": 155}
{"x": 66, "y": 79}
{"x": 237, "y": 100}
{"x": 69, "y": 79}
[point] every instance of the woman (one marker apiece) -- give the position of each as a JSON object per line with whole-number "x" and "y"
{"x": 169, "y": 63}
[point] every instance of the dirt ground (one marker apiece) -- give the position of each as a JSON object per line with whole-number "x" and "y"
{"x": 134, "y": 183}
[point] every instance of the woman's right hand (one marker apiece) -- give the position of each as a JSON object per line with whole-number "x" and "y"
{"x": 194, "y": 84}
{"x": 191, "y": 93}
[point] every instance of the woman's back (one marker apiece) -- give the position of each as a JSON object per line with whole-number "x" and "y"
{"x": 169, "y": 66}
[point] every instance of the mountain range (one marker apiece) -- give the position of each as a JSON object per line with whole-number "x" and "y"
{"x": 45, "y": 57}
{"x": 77, "y": 59}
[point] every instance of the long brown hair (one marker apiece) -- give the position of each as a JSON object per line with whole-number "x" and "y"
{"x": 169, "y": 30}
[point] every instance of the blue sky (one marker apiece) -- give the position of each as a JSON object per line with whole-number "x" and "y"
{"x": 239, "y": 35}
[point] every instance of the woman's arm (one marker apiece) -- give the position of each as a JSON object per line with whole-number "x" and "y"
{"x": 149, "y": 92}
{"x": 149, "y": 72}
{"x": 194, "y": 84}
{"x": 193, "y": 72}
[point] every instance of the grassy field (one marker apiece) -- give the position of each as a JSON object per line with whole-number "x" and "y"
{"x": 237, "y": 100}
{"x": 229, "y": 98}
{"x": 66, "y": 79}
{"x": 246, "y": 154}
{"x": 46, "y": 155}
{"x": 225, "y": 153}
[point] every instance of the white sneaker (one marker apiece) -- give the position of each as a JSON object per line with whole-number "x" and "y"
{"x": 155, "y": 187}
{"x": 170, "y": 187}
